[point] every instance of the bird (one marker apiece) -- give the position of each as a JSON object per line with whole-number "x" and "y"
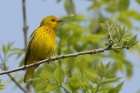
{"x": 42, "y": 44}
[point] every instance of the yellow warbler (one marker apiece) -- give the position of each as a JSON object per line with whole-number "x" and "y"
{"x": 42, "y": 44}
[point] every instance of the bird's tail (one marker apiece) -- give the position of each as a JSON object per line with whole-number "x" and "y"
{"x": 29, "y": 74}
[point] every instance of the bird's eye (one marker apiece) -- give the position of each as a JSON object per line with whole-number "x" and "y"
{"x": 52, "y": 20}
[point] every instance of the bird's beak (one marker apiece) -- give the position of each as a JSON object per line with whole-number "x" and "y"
{"x": 60, "y": 21}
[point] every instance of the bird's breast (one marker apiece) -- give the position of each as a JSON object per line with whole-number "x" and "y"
{"x": 44, "y": 45}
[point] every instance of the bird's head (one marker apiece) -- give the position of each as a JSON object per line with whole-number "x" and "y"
{"x": 50, "y": 21}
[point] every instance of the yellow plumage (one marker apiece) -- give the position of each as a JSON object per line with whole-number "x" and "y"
{"x": 42, "y": 44}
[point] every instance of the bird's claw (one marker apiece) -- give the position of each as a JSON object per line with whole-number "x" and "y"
{"x": 49, "y": 60}
{"x": 35, "y": 64}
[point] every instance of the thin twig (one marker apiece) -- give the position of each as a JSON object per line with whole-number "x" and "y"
{"x": 58, "y": 57}
{"x": 98, "y": 85}
{"x": 71, "y": 13}
{"x": 25, "y": 31}
{"x": 17, "y": 83}
{"x": 25, "y": 27}
{"x": 11, "y": 77}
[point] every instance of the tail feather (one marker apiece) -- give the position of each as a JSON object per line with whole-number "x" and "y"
{"x": 29, "y": 74}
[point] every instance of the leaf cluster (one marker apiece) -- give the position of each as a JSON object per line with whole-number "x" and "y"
{"x": 80, "y": 81}
{"x": 118, "y": 37}
{"x": 7, "y": 52}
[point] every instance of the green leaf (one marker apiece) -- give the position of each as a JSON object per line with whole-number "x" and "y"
{"x": 125, "y": 21}
{"x": 9, "y": 45}
{"x": 138, "y": 1}
{"x": 87, "y": 86}
{"x": 138, "y": 91}
{"x": 124, "y": 43}
{"x": 110, "y": 80}
{"x": 107, "y": 44}
{"x": 116, "y": 51}
{"x": 129, "y": 68}
{"x": 91, "y": 77}
{"x": 59, "y": 74}
{"x": 95, "y": 4}
{"x": 11, "y": 54}
{"x": 103, "y": 88}
{"x": 36, "y": 79}
{"x": 52, "y": 87}
{"x": 91, "y": 7}
{"x": 132, "y": 14}
{"x": 58, "y": 1}
{"x": 92, "y": 36}
{"x": 119, "y": 87}
{"x": 121, "y": 31}
{"x": 118, "y": 33}
{"x": 1, "y": 86}
{"x": 113, "y": 25}
{"x": 107, "y": 66}
{"x": 132, "y": 41}
{"x": 103, "y": 67}
{"x": 119, "y": 65}
{"x": 123, "y": 4}
{"x": 98, "y": 70}
{"x": 1, "y": 58}
{"x": 70, "y": 6}
{"x": 41, "y": 86}
{"x": 116, "y": 89}
{"x": 4, "y": 49}
{"x": 107, "y": 24}
{"x": 15, "y": 49}
{"x": 65, "y": 86}
{"x": 113, "y": 8}
{"x": 74, "y": 82}
{"x": 103, "y": 26}
{"x": 43, "y": 76}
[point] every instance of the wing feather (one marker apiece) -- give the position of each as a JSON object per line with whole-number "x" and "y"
{"x": 28, "y": 47}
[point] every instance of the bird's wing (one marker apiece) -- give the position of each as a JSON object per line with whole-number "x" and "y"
{"x": 28, "y": 47}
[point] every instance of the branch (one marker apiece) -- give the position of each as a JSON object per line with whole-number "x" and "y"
{"x": 58, "y": 57}
{"x": 25, "y": 31}
{"x": 15, "y": 82}
{"x": 25, "y": 27}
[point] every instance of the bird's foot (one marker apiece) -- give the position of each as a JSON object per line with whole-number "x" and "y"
{"x": 35, "y": 64}
{"x": 49, "y": 60}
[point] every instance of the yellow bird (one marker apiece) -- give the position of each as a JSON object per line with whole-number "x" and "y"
{"x": 42, "y": 44}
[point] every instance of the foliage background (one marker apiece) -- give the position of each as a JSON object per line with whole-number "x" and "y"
{"x": 126, "y": 13}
